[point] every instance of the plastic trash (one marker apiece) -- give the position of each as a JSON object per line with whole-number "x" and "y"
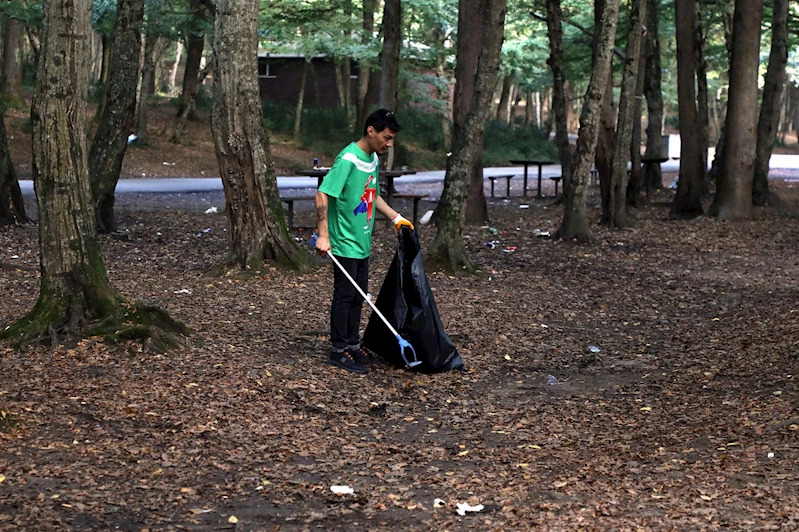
{"x": 541, "y": 234}
{"x": 212, "y": 210}
{"x": 492, "y": 231}
{"x": 551, "y": 380}
{"x": 524, "y": 206}
{"x": 594, "y": 349}
{"x": 132, "y": 138}
{"x": 509, "y": 249}
{"x": 426, "y": 217}
{"x": 312, "y": 241}
{"x": 490, "y": 245}
{"x": 464, "y": 507}
{"x": 342, "y": 490}
{"x": 439, "y": 503}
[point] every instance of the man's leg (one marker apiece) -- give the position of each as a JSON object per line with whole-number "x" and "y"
{"x": 344, "y": 296}
{"x": 361, "y": 277}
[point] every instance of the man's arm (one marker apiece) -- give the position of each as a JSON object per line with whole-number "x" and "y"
{"x": 395, "y": 217}
{"x": 323, "y": 238}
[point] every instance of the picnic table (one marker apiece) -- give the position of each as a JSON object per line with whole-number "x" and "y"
{"x": 388, "y": 175}
{"x": 532, "y": 162}
{"x": 648, "y": 163}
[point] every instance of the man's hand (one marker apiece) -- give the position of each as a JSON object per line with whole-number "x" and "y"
{"x": 322, "y": 245}
{"x": 399, "y": 221}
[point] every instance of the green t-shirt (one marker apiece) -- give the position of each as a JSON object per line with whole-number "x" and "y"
{"x": 352, "y": 187}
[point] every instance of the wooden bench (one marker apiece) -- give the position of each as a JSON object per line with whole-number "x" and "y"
{"x": 493, "y": 178}
{"x": 556, "y": 179}
{"x": 289, "y": 201}
{"x": 416, "y": 198}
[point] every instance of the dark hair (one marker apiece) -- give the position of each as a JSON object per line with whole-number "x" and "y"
{"x": 380, "y": 120}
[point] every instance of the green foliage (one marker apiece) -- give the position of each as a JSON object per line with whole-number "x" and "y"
{"x": 502, "y": 143}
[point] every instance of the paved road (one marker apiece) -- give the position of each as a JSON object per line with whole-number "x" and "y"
{"x": 207, "y": 184}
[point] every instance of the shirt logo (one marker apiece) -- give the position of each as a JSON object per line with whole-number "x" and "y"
{"x": 367, "y": 200}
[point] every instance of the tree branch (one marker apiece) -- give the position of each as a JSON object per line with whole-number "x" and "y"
{"x": 616, "y": 51}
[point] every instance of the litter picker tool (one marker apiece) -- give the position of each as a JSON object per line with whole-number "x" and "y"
{"x": 403, "y": 343}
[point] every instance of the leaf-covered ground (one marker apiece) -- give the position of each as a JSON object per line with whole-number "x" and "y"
{"x": 685, "y": 419}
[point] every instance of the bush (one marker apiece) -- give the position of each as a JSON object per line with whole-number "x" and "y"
{"x": 502, "y": 144}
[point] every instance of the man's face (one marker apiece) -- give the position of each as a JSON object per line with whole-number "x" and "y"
{"x": 382, "y": 140}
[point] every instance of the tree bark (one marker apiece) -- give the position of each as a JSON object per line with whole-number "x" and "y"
{"x": 471, "y": 14}
{"x": 773, "y": 89}
{"x": 75, "y": 297}
{"x": 503, "y": 109}
{"x": 104, "y": 73}
{"x": 300, "y": 101}
{"x": 555, "y": 61}
{"x": 635, "y": 187}
{"x": 448, "y": 248}
{"x": 575, "y": 224}
{"x": 111, "y": 139}
{"x": 173, "y": 75}
{"x": 688, "y": 200}
{"x": 364, "y": 72}
{"x": 392, "y": 40}
{"x": 12, "y": 62}
{"x": 703, "y": 113}
{"x": 653, "y": 178}
{"x": 194, "y": 56}
{"x": 603, "y": 158}
{"x": 624, "y": 128}
{"x": 257, "y": 228}
{"x": 12, "y": 206}
{"x": 147, "y": 87}
{"x": 733, "y": 199}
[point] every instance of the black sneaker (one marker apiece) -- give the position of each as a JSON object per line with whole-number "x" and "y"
{"x": 346, "y": 361}
{"x": 362, "y": 356}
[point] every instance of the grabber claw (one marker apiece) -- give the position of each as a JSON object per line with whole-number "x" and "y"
{"x": 403, "y": 344}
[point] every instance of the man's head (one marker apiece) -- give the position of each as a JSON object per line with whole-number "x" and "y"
{"x": 380, "y": 129}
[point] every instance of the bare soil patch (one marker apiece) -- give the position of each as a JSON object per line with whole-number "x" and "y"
{"x": 685, "y": 419}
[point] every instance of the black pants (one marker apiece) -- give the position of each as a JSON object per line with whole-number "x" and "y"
{"x": 345, "y": 311}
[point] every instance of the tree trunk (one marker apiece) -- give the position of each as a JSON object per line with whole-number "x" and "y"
{"x": 448, "y": 248}
{"x": 257, "y": 227}
{"x": 392, "y": 40}
{"x": 12, "y": 62}
{"x": 147, "y": 86}
{"x": 772, "y": 97}
{"x": 624, "y": 128}
{"x": 300, "y": 101}
{"x": 364, "y": 72}
{"x": 75, "y": 296}
{"x": 733, "y": 199}
{"x": 173, "y": 75}
{"x": 180, "y": 124}
{"x": 703, "y": 113}
{"x": 728, "y": 7}
{"x": 503, "y": 110}
{"x": 194, "y": 56}
{"x": 555, "y": 33}
{"x": 111, "y": 139}
{"x": 603, "y": 158}
{"x": 688, "y": 200}
{"x": 103, "y": 87}
{"x": 12, "y": 206}
{"x": 575, "y": 224}
{"x": 471, "y": 14}
{"x": 389, "y": 72}
{"x": 653, "y": 178}
{"x": 635, "y": 186}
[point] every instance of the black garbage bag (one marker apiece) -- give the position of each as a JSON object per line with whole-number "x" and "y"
{"x": 405, "y": 299}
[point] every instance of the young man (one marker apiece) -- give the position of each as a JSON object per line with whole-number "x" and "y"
{"x": 345, "y": 208}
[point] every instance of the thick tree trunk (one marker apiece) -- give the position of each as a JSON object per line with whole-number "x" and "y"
{"x": 257, "y": 227}
{"x": 300, "y": 101}
{"x": 575, "y": 224}
{"x": 703, "y": 113}
{"x": 653, "y": 179}
{"x": 448, "y": 248}
{"x": 772, "y": 97}
{"x": 503, "y": 110}
{"x": 111, "y": 139}
{"x": 180, "y": 124}
{"x": 364, "y": 72}
{"x": 173, "y": 75}
{"x": 147, "y": 87}
{"x": 12, "y": 62}
{"x": 194, "y": 56}
{"x": 75, "y": 296}
{"x": 12, "y": 206}
{"x": 603, "y": 158}
{"x": 624, "y": 128}
{"x": 104, "y": 72}
{"x": 555, "y": 61}
{"x": 733, "y": 199}
{"x": 470, "y": 15}
{"x": 688, "y": 200}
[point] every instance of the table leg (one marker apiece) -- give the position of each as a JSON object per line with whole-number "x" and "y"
{"x": 539, "y": 195}
{"x": 319, "y": 182}
{"x": 524, "y": 193}
{"x": 390, "y": 191}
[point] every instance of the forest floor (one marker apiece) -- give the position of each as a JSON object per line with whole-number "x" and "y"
{"x": 674, "y": 344}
